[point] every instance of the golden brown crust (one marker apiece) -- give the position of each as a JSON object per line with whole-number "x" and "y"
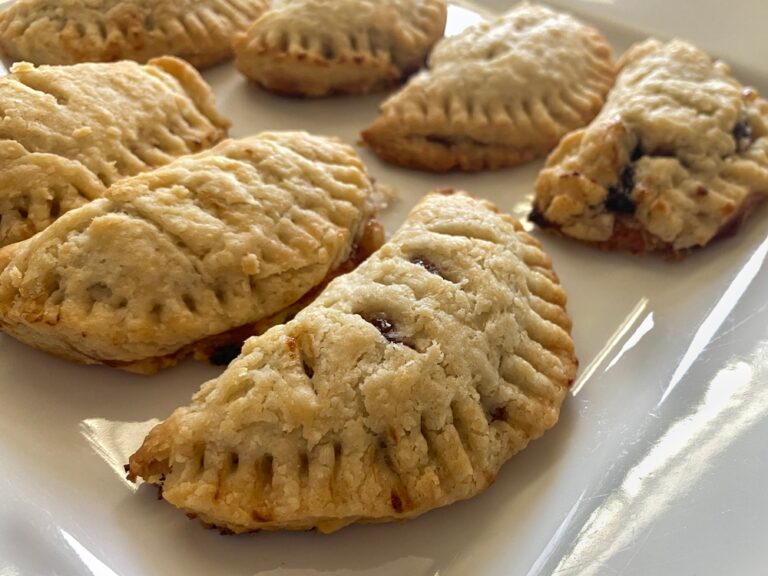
{"x": 677, "y": 158}
{"x": 311, "y": 48}
{"x": 69, "y": 132}
{"x": 499, "y": 94}
{"x": 221, "y": 349}
{"x": 405, "y": 385}
{"x": 192, "y": 250}
{"x": 55, "y": 32}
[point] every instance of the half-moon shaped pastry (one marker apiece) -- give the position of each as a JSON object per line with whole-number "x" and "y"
{"x": 677, "y": 158}
{"x": 405, "y": 386}
{"x": 190, "y": 254}
{"x": 311, "y": 48}
{"x": 73, "y": 31}
{"x": 501, "y": 93}
{"x": 68, "y": 132}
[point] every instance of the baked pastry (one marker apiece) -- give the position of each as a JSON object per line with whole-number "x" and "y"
{"x": 678, "y": 157}
{"x": 498, "y": 94}
{"x": 56, "y": 32}
{"x": 189, "y": 256}
{"x": 405, "y": 386}
{"x": 69, "y": 132}
{"x": 314, "y": 48}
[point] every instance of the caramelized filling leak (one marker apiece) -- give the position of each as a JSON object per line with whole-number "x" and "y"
{"x": 397, "y": 503}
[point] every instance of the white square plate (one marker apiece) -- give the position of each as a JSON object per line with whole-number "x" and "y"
{"x": 658, "y": 465}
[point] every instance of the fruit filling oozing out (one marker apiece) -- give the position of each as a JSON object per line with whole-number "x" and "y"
{"x": 619, "y": 199}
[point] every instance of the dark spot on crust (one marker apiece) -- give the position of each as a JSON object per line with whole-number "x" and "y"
{"x": 446, "y": 141}
{"x": 127, "y": 468}
{"x": 637, "y": 153}
{"x": 663, "y": 153}
{"x": 537, "y": 217}
{"x": 384, "y": 326}
{"x": 742, "y": 134}
{"x": 427, "y": 264}
{"x": 191, "y": 515}
{"x": 619, "y": 198}
{"x": 397, "y": 504}
{"x": 701, "y": 191}
{"x": 308, "y": 370}
{"x": 499, "y": 413}
{"x": 223, "y": 355}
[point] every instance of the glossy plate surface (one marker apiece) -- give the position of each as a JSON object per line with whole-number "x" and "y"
{"x": 658, "y": 465}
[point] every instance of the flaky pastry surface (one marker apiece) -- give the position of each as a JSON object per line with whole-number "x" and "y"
{"x": 500, "y": 93}
{"x": 168, "y": 258}
{"x": 678, "y": 157}
{"x": 316, "y": 48}
{"x": 405, "y": 386}
{"x": 73, "y": 31}
{"x": 68, "y": 132}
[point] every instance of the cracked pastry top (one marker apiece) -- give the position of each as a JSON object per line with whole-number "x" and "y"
{"x": 172, "y": 258}
{"x": 405, "y": 386}
{"x": 68, "y": 132}
{"x": 73, "y": 31}
{"x": 316, "y": 48}
{"x": 500, "y": 93}
{"x": 677, "y": 158}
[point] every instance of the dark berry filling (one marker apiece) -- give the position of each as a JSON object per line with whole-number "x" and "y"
{"x": 383, "y": 325}
{"x": 427, "y": 264}
{"x": 620, "y": 196}
{"x": 537, "y": 217}
{"x": 742, "y": 134}
{"x": 223, "y": 355}
{"x": 499, "y": 413}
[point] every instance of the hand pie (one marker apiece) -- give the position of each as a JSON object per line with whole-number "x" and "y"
{"x": 176, "y": 259}
{"x": 499, "y": 94}
{"x": 57, "y": 32}
{"x": 69, "y": 132}
{"x": 405, "y": 386}
{"x": 311, "y": 48}
{"x": 677, "y": 158}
